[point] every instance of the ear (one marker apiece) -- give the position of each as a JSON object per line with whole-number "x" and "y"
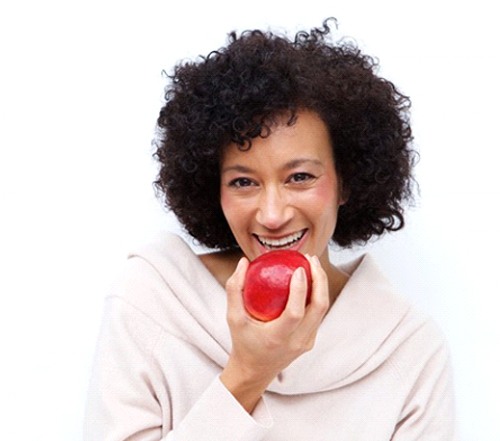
{"x": 344, "y": 193}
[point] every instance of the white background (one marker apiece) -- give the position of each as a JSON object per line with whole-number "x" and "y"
{"x": 80, "y": 89}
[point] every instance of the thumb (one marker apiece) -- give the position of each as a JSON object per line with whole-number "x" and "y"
{"x": 234, "y": 286}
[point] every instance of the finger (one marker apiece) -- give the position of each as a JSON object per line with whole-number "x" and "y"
{"x": 295, "y": 306}
{"x": 320, "y": 298}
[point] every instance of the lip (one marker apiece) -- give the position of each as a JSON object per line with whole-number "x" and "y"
{"x": 296, "y": 246}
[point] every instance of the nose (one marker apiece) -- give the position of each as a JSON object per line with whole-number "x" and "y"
{"x": 274, "y": 210}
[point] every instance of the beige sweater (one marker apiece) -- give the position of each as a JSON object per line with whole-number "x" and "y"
{"x": 379, "y": 370}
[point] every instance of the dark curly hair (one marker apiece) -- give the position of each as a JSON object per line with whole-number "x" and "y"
{"x": 235, "y": 94}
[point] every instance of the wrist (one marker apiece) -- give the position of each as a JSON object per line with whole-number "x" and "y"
{"x": 246, "y": 386}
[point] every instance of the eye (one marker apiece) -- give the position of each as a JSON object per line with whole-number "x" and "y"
{"x": 299, "y": 178}
{"x": 240, "y": 182}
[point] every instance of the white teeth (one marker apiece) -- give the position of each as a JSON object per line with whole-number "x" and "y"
{"x": 284, "y": 241}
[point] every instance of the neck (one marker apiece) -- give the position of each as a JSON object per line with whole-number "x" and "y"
{"x": 337, "y": 279}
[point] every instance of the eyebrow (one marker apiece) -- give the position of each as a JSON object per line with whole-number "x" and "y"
{"x": 287, "y": 166}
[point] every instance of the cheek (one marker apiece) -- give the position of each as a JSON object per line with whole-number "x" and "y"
{"x": 232, "y": 207}
{"x": 223, "y": 199}
{"x": 322, "y": 203}
{"x": 226, "y": 204}
{"x": 326, "y": 194}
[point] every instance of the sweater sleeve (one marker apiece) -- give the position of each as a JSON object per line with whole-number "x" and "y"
{"x": 429, "y": 413}
{"x": 121, "y": 403}
{"x": 229, "y": 421}
{"x": 128, "y": 398}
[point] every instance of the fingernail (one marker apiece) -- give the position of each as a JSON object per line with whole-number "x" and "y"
{"x": 240, "y": 263}
{"x": 300, "y": 274}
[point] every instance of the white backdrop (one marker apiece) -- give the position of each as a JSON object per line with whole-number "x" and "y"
{"x": 80, "y": 89}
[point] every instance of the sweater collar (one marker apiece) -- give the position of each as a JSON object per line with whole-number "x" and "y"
{"x": 356, "y": 336}
{"x": 351, "y": 340}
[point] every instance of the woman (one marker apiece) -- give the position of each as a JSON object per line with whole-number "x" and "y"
{"x": 271, "y": 143}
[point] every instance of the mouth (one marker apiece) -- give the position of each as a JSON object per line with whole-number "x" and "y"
{"x": 282, "y": 242}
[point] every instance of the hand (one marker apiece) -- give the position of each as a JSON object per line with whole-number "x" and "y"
{"x": 263, "y": 349}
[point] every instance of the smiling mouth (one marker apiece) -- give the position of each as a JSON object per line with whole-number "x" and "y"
{"x": 283, "y": 242}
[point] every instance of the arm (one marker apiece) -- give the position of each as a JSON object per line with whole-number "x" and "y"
{"x": 262, "y": 350}
{"x": 121, "y": 402}
{"x": 125, "y": 398}
{"x": 129, "y": 398}
{"x": 429, "y": 409}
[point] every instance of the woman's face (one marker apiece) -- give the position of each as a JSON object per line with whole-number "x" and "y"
{"x": 284, "y": 192}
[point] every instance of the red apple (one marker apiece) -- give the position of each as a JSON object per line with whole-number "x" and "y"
{"x": 267, "y": 282}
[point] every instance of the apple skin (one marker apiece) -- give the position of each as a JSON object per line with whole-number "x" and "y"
{"x": 267, "y": 283}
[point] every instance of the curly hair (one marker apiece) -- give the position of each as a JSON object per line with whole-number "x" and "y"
{"x": 235, "y": 94}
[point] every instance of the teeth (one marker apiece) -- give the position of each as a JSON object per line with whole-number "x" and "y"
{"x": 284, "y": 241}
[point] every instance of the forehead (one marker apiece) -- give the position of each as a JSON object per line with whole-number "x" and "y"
{"x": 306, "y": 138}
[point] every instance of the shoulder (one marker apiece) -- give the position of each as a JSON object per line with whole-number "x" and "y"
{"x": 370, "y": 305}
{"x": 153, "y": 266}
{"x": 164, "y": 280}
{"x": 166, "y": 249}
{"x": 369, "y": 295}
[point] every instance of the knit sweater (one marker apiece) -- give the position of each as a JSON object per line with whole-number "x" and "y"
{"x": 379, "y": 369}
